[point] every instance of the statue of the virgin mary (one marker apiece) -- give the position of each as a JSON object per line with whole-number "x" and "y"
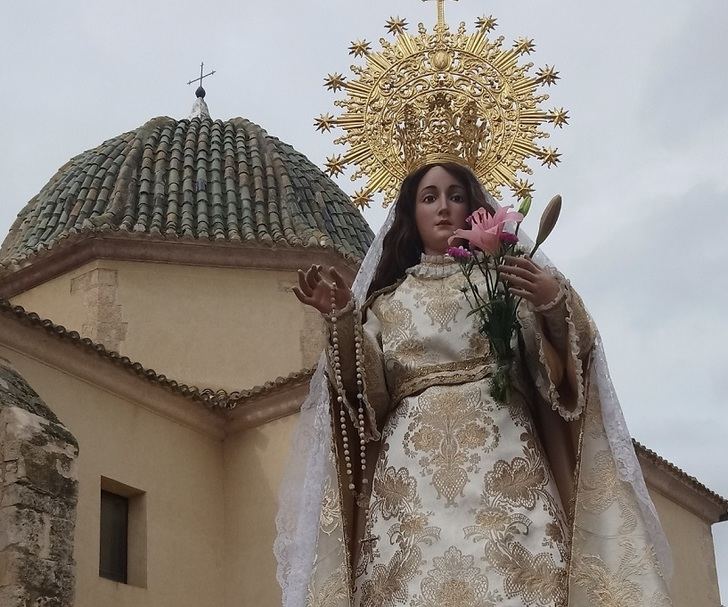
{"x": 408, "y": 482}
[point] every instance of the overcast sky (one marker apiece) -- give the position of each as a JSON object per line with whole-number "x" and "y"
{"x": 644, "y": 231}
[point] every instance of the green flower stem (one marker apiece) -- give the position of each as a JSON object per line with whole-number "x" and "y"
{"x": 486, "y": 275}
{"x": 497, "y": 263}
{"x": 467, "y": 269}
{"x": 478, "y": 299}
{"x": 497, "y": 316}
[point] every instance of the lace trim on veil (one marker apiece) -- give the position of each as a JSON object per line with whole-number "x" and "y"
{"x": 620, "y": 440}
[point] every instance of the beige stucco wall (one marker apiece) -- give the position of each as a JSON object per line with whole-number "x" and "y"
{"x": 695, "y": 579}
{"x": 254, "y": 462}
{"x": 210, "y": 327}
{"x": 181, "y": 471}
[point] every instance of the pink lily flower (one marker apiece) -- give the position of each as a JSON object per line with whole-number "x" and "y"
{"x": 487, "y": 229}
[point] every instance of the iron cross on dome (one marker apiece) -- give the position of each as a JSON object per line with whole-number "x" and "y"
{"x": 202, "y": 75}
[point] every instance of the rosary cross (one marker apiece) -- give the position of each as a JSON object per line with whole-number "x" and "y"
{"x": 202, "y": 69}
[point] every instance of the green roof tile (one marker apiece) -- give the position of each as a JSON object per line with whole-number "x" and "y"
{"x": 198, "y": 178}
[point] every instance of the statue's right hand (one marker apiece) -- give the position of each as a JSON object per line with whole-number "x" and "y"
{"x": 315, "y": 287}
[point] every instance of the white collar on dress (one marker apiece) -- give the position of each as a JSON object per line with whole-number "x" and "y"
{"x": 434, "y": 266}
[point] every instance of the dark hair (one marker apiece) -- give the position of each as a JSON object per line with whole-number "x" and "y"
{"x": 402, "y": 245}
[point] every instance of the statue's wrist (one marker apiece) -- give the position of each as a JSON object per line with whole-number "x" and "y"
{"x": 337, "y": 315}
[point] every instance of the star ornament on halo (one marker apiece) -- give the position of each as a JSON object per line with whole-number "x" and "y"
{"x": 550, "y": 157}
{"x": 396, "y": 25}
{"x": 361, "y": 199}
{"x": 335, "y": 165}
{"x": 524, "y": 46}
{"x": 325, "y": 123}
{"x": 360, "y": 48}
{"x": 559, "y": 117}
{"x": 335, "y": 82}
{"x": 487, "y": 24}
{"x": 523, "y": 189}
{"x": 548, "y": 75}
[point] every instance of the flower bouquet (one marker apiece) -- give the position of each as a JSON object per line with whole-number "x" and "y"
{"x": 493, "y": 238}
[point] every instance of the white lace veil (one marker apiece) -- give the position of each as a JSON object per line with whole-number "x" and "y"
{"x": 302, "y": 487}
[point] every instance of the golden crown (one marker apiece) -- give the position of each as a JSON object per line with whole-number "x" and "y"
{"x": 441, "y": 97}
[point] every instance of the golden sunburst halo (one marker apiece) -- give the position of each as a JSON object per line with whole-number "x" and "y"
{"x": 440, "y": 96}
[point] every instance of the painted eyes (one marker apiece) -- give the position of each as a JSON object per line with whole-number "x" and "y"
{"x": 430, "y": 198}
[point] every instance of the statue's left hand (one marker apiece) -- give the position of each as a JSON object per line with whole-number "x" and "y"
{"x": 528, "y": 280}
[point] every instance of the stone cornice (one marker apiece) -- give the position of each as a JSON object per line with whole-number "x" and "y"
{"x": 73, "y": 252}
{"x": 218, "y": 400}
{"x": 675, "y": 484}
{"x": 266, "y": 407}
{"x": 217, "y": 414}
{"x": 114, "y": 378}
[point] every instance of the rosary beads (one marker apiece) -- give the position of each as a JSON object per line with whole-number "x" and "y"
{"x": 358, "y": 355}
{"x": 340, "y": 398}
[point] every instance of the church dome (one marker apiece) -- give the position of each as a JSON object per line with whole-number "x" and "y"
{"x": 195, "y": 179}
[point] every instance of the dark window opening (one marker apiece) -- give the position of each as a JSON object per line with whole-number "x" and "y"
{"x": 113, "y": 553}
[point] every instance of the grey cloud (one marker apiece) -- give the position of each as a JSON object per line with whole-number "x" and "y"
{"x": 685, "y": 87}
{"x": 659, "y": 292}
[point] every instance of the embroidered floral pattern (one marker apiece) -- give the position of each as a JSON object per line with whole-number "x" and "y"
{"x": 387, "y": 586}
{"x": 606, "y": 586}
{"x": 449, "y": 435}
{"x": 332, "y": 592}
{"x": 399, "y": 333}
{"x": 441, "y": 306}
{"x": 413, "y": 342}
{"x": 606, "y": 489}
{"x": 455, "y": 582}
{"x": 394, "y": 490}
{"x": 518, "y": 481}
{"x": 330, "y": 514}
{"x": 533, "y": 578}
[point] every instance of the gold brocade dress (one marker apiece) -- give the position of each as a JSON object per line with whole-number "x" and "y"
{"x": 464, "y": 509}
{"x": 461, "y": 502}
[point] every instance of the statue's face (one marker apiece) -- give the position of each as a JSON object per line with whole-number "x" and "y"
{"x": 441, "y": 208}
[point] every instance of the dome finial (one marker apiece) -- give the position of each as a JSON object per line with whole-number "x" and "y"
{"x": 199, "y": 109}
